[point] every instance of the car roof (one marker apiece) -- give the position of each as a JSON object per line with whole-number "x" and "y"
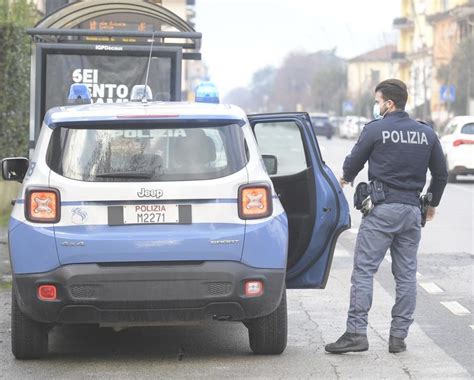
{"x": 138, "y": 110}
{"x": 463, "y": 119}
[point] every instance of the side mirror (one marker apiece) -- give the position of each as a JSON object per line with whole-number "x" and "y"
{"x": 271, "y": 163}
{"x": 14, "y": 169}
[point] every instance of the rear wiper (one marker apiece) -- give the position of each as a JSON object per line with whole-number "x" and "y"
{"x": 126, "y": 175}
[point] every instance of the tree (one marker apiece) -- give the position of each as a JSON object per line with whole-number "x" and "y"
{"x": 241, "y": 97}
{"x": 329, "y": 88}
{"x": 460, "y": 73}
{"x": 15, "y": 16}
{"x": 309, "y": 82}
{"x": 263, "y": 81}
{"x": 292, "y": 87}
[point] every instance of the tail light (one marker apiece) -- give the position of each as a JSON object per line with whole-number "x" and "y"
{"x": 47, "y": 292}
{"x": 42, "y": 205}
{"x": 255, "y": 201}
{"x": 462, "y": 141}
{"x": 253, "y": 288}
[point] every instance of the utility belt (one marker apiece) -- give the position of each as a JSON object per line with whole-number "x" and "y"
{"x": 368, "y": 195}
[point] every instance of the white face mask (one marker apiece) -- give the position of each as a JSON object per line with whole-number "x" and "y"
{"x": 376, "y": 111}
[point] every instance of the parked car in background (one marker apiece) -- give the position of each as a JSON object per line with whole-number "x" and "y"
{"x": 321, "y": 124}
{"x": 352, "y": 126}
{"x": 458, "y": 146}
{"x": 336, "y": 122}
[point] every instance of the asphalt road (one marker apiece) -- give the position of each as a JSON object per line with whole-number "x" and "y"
{"x": 440, "y": 345}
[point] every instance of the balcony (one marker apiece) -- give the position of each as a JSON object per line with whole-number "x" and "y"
{"x": 403, "y": 23}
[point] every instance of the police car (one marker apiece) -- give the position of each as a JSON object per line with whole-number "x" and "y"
{"x": 156, "y": 213}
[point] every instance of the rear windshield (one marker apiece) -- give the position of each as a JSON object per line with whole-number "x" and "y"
{"x": 137, "y": 153}
{"x": 468, "y": 129}
{"x": 319, "y": 121}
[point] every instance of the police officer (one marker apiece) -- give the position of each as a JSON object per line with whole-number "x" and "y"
{"x": 399, "y": 151}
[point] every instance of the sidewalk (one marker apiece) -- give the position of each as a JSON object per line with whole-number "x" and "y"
{"x": 5, "y": 273}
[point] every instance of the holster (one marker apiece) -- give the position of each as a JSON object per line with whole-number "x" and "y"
{"x": 377, "y": 193}
{"x": 425, "y": 202}
{"x": 360, "y": 195}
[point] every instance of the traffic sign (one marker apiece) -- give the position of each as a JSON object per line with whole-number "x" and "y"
{"x": 348, "y": 106}
{"x": 447, "y": 93}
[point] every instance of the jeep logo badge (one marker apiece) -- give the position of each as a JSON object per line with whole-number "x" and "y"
{"x": 154, "y": 193}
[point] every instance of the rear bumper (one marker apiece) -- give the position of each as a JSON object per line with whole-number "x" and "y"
{"x": 323, "y": 131}
{"x": 149, "y": 293}
{"x": 461, "y": 160}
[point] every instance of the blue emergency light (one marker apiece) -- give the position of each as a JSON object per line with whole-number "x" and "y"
{"x": 207, "y": 92}
{"x": 79, "y": 94}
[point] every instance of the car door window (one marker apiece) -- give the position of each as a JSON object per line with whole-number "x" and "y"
{"x": 283, "y": 140}
{"x": 468, "y": 129}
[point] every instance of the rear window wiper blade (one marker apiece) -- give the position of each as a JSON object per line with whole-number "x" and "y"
{"x": 126, "y": 175}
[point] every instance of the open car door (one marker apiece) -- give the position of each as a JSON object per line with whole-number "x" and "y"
{"x": 316, "y": 207}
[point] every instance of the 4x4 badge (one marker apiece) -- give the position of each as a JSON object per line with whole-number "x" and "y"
{"x": 154, "y": 193}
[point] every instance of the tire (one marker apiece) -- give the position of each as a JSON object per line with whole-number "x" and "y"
{"x": 29, "y": 338}
{"x": 452, "y": 177}
{"x": 268, "y": 334}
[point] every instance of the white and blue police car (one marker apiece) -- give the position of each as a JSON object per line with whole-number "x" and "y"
{"x": 156, "y": 213}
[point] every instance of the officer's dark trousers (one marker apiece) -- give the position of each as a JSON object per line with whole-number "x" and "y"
{"x": 397, "y": 227}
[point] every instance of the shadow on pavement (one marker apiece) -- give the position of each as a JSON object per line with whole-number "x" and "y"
{"x": 84, "y": 342}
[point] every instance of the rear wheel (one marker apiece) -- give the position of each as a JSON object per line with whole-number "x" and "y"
{"x": 452, "y": 177}
{"x": 268, "y": 334}
{"x": 29, "y": 338}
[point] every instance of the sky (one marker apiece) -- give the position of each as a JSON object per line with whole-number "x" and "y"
{"x": 242, "y": 36}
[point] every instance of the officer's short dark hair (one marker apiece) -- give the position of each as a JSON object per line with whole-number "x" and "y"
{"x": 394, "y": 90}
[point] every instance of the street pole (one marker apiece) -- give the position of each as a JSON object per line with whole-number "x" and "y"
{"x": 425, "y": 92}
{"x": 423, "y": 58}
{"x": 468, "y": 90}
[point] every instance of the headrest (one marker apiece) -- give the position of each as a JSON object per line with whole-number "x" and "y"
{"x": 195, "y": 149}
{"x": 146, "y": 162}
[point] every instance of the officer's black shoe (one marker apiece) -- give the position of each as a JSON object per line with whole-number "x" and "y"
{"x": 396, "y": 345}
{"x": 349, "y": 342}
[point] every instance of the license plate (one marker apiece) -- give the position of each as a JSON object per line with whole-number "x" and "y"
{"x": 149, "y": 214}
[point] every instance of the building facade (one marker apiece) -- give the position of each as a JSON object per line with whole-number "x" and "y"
{"x": 450, "y": 28}
{"x": 429, "y": 32}
{"x": 365, "y": 71}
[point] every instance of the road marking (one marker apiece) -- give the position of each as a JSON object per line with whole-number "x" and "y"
{"x": 455, "y": 307}
{"x": 431, "y": 287}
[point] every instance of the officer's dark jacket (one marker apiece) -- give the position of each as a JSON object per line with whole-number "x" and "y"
{"x": 399, "y": 151}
